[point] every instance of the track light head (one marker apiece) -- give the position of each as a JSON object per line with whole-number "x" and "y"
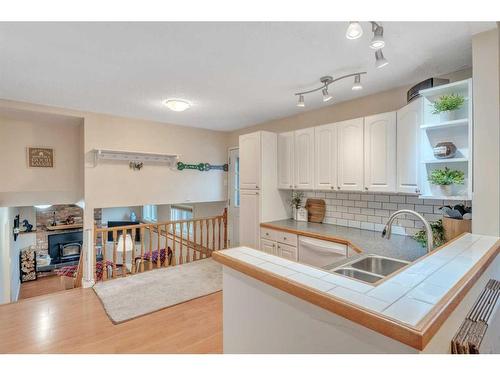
{"x": 380, "y": 60}
{"x": 301, "y": 102}
{"x": 354, "y": 30}
{"x": 378, "y": 41}
{"x": 357, "y": 83}
{"x": 326, "y": 95}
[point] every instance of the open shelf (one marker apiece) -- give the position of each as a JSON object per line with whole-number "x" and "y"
{"x": 446, "y": 89}
{"x": 65, "y": 226}
{"x": 446, "y": 197}
{"x": 450, "y": 160}
{"x": 135, "y": 156}
{"x": 446, "y": 124}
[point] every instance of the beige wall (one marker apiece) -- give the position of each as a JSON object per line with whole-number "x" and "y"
{"x": 381, "y": 102}
{"x": 21, "y": 185}
{"x": 486, "y": 88}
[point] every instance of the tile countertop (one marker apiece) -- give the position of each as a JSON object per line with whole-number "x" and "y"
{"x": 407, "y": 297}
{"x": 370, "y": 242}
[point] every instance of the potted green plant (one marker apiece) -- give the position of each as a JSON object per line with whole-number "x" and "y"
{"x": 296, "y": 202}
{"x": 447, "y": 106}
{"x": 443, "y": 180}
{"x": 438, "y": 234}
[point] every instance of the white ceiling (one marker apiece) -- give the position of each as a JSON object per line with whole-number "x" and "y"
{"x": 235, "y": 74}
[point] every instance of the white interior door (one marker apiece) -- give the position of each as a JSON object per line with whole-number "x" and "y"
{"x": 234, "y": 198}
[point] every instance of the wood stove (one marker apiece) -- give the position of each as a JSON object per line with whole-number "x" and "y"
{"x": 65, "y": 247}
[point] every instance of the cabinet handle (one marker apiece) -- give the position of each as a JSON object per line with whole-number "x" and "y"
{"x": 291, "y": 186}
{"x": 366, "y": 188}
{"x": 331, "y": 187}
{"x": 338, "y": 187}
{"x": 267, "y": 234}
{"x": 257, "y": 186}
{"x": 284, "y": 238}
{"x": 417, "y": 190}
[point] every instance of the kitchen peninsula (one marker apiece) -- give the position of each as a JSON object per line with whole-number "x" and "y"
{"x": 275, "y": 305}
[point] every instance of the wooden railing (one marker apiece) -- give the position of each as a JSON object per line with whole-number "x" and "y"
{"x": 154, "y": 245}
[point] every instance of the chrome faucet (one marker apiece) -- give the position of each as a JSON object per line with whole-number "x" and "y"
{"x": 428, "y": 230}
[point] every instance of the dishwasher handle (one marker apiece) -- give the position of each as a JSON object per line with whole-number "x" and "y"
{"x": 324, "y": 247}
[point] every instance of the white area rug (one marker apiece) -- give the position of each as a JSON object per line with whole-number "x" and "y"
{"x": 129, "y": 297}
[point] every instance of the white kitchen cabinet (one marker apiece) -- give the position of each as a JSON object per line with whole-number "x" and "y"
{"x": 287, "y": 252}
{"x": 249, "y": 218}
{"x": 303, "y": 172}
{"x": 250, "y": 161}
{"x": 380, "y": 152}
{"x": 269, "y": 247}
{"x": 285, "y": 160}
{"x": 325, "y": 161}
{"x": 350, "y": 154}
{"x": 409, "y": 119}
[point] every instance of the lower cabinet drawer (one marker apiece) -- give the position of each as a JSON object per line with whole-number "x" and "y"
{"x": 268, "y": 246}
{"x": 268, "y": 234}
{"x": 287, "y": 251}
{"x": 287, "y": 238}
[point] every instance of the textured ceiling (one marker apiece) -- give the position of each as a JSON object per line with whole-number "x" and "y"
{"x": 235, "y": 74}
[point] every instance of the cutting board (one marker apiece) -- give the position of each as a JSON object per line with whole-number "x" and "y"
{"x": 315, "y": 210}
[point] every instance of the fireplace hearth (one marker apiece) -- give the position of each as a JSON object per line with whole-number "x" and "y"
{"x": 65, "y": 247}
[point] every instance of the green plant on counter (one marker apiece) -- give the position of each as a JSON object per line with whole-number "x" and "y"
{"x": 437, "y": 234}
{"x": 448, "y": 103}
{"x": 446, "y": 176}
{"x": 297, "y": 197}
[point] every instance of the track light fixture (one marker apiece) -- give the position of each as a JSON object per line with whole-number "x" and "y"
{"x": 377, "y": 41}
{"x": 354, "y": 30}
{"x": 326, "y": 96}
{"x": 301, "y": 103}
{"x": 325, "y": 82}
{"x": 380, "y": 60}
{"x": 357, "y": 83}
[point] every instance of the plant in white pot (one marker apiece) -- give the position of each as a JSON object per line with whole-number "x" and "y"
{"x": 296, "y": 202}
{"x": 447, "y": 106}
{"x": 443, "y": 180}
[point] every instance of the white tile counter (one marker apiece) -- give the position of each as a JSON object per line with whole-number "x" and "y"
{"x": 408, "y": 297}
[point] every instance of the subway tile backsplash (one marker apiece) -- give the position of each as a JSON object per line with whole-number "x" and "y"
{"x": 371, "y": 210}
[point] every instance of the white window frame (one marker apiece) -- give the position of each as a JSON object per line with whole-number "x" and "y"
{"x": 186, "y": 210}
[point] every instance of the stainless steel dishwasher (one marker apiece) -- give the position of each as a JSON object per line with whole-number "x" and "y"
{"x": 319, "y": 253}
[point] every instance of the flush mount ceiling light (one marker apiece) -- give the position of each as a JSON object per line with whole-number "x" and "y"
{"x": 357, "y": 83}
{"x": 327, "y": 81}
{"x": 43, "y": 206}
{"x": 376, "y": 43}
{"x": 177, "y": 105}
{"x": 354, "y": 30}
{"x": 380, "y": 60}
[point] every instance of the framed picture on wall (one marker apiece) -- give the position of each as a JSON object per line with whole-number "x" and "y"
{"x": 40, "y": 157}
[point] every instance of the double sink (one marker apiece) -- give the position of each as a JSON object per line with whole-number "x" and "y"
{"x": 370, "y": 268}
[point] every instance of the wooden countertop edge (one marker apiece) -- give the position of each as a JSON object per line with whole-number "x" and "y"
{"x": 417, "y": 337}
{"x": 318, "y": 236}
{"x": 366, "y": 318}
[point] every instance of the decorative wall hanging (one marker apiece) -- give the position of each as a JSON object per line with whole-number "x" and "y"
{"x": 135, "y": 165}
{"x": 40, "y": 157}
{"x": 202, "y": 167}
{"x": 27, "y": 226}
{"x": 27, "y": 265}
{"x": 15, "y": 229}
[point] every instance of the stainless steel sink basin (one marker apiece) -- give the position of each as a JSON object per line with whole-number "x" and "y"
{"x": 378, "y": 265}
{"x": 370, "y": 268}
{"x": 355, "y": 274}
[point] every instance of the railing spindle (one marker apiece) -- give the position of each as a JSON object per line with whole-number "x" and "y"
{"x": 195, "y": 246}
{"x": 93, "y": 261}
{"x": 181, "y": 226}
{"x": 133, "y": 250}
{"x": 124, "y": 255}
{"x": 158, "y": 264}
{"x": 213, "y": 236}
{"x": 225, "y": 227}
{"x": 114, "y": 255}
{"x": 103, "y": 251}
{"x": 142, "y": 231}
{"x": 219, "y": 221}
{"x": 150, "y": 247}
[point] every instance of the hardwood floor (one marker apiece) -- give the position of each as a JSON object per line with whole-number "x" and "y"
{"x": 74, "y": 321}
{"x": 40, "y": 287}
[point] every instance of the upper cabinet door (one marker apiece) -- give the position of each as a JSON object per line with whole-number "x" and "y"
{"x": 350, "y": 154}
{"x": 304, "y": 159}
{"x": 250, "y": 159}
{"x": 408, "y": 130}
{"x": 325, "y": 162}
{"x": 380, "y": 152}
{"x": 285, "y": 160}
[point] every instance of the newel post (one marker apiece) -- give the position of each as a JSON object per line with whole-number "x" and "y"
{"x": 224, "y": 218}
